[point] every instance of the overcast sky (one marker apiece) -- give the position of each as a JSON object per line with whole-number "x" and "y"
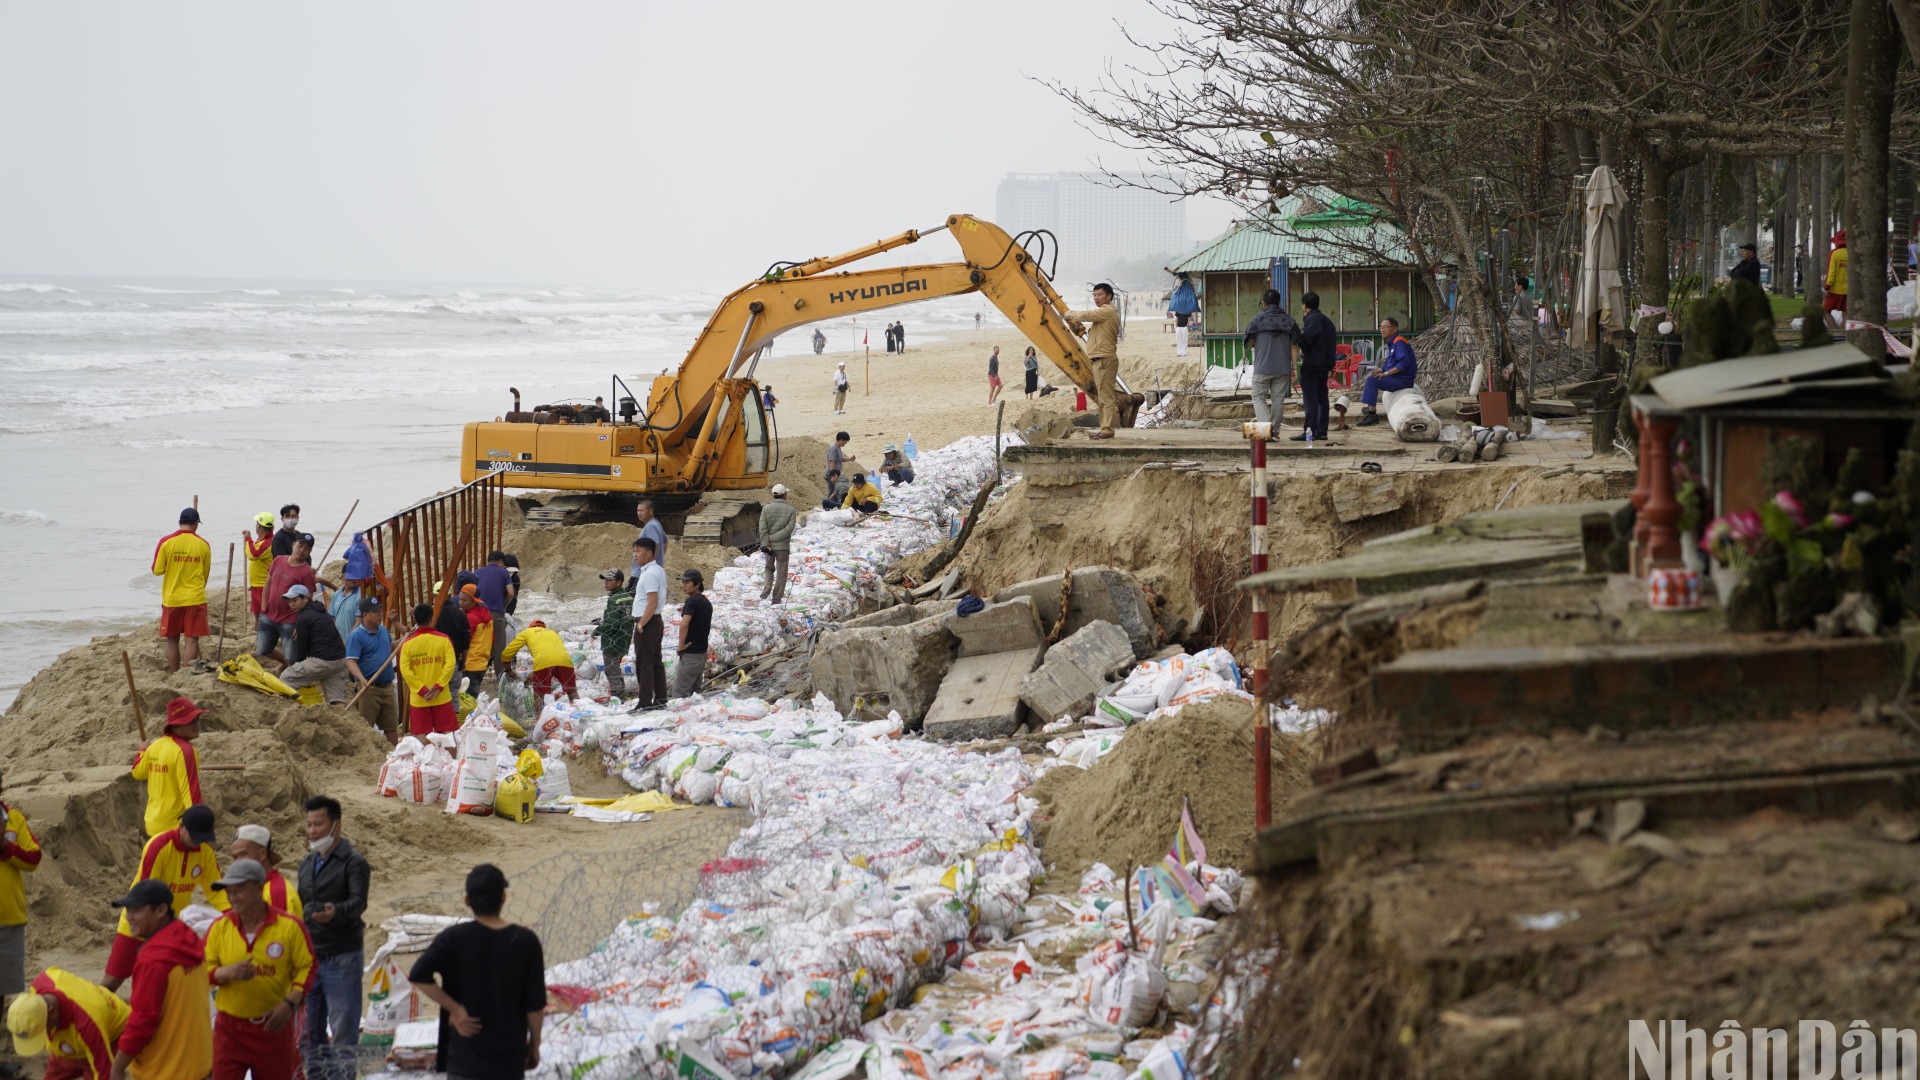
{"x": 607, "y": 142}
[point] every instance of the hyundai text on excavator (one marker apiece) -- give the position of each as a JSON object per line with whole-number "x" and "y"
{"x": 703, "y": 428}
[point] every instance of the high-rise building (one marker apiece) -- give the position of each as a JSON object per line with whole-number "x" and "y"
{"x": 1099, "y": 222}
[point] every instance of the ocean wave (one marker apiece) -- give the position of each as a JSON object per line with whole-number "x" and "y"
{"x": 26, "y": 518}
{"x": 165, "y": 444}
{"x": 261, "y": 292}
{"x": 34, "y": 288}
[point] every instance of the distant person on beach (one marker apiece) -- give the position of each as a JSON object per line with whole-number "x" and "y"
{"x": 837, "y": 457}
{"x": 289, "y": 530}
{"x": 862, "y": 496}
{"x": 1317, "y": 341}
{"x": 696, "y": 620}
{"x": 183, "y": 859}
{"x": 890, "y": 337}
{"x": 900, "y": 337}
{"x": 840, "y": 386}
{"x": 275, "y": 632}
{"x": 1270, "y": 339}
{"x": 334, "y": 883}
{"x": 256, "y": 842}
{"x": 1101, "y": 325}
{"x": 895, "y": 466}
{"x": 428, "y": 663}
{"x": 777, "y": 520}
{"x": 993, "y": 376}
{"x": 171, "y": 768}
{"x": 259, "y": 544}
{"x": 262, "y": 962}
{"x": 976, "y": 322}
{"x": 168, "y": 1033}
{"x": 819, "y": 343}
{"x": 767, "y": 400}
{"x": 323, "y": 653}
{"x": 182, "y": 561}
{"x": 491, "y": 988}
{"x": 616, "y": 628}
{"x": 368, "y": 648}
{"x": 481, "y": 630}
{"x": 19, "y": 855}
{"x": 837, "y": 486}
{"x": 1397, "y": 372}
{"x": 1030, "y": 363}
{"x": 552, "y": 664}
{"x": 649, "y": 627}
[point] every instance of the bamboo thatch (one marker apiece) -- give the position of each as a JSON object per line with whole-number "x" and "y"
{"x": 1449, "y": 351}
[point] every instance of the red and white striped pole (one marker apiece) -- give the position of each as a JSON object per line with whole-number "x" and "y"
{"x": 1257, "y": 435}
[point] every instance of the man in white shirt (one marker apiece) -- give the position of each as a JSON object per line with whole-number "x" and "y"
{"x": 649, "y": 600}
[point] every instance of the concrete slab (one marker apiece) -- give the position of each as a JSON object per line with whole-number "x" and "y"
{"x": 999, "y": 627}
{"x": 980, "y": 697}
{"x": 1100, "y": 594}
{"x": 890, "y": 667}
{"x": 1079, "y": 666}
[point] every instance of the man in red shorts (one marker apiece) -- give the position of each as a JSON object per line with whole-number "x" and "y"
{"x": 552, "y": 664}
{"x": 182, "y": 561}
{"x": 428, "y": 664}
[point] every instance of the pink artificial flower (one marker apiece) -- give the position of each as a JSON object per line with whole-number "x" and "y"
{"x": 1839, "y": 521}
{"x": 1784, "y": 500}
{"x": 1745, "y": 524}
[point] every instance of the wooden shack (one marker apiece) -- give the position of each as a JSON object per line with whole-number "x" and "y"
{"x": 1341, "y": 248}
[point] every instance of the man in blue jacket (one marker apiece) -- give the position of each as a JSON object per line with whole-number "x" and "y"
{"x": 1317, "y": 336}
{"x": 1396, "y": 372}
{"x": 1270, "y": 337}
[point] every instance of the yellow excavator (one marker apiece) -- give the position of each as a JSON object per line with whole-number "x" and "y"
{"x": 703, "y": 428}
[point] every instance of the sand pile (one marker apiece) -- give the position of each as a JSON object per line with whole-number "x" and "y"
{"x": 1125, "y": 811}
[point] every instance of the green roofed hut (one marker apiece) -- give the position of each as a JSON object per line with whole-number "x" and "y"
{"x": 1341, "y": 248}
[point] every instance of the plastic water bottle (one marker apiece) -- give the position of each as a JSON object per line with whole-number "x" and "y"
{"x": 1309, "y": 438}
{"x": 911, "y": 448}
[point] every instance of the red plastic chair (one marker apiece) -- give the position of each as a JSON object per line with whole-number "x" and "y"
{"x": 1346, "y": 366}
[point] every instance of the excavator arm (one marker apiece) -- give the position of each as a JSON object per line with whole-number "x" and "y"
{"x": 682, "y": 409}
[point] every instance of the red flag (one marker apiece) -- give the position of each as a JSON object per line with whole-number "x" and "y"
{"x": 863, "y": 337}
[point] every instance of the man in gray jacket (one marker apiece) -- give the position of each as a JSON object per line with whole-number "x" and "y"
{"x": 1270, "y": 337}
{"x": 776, "y": 538}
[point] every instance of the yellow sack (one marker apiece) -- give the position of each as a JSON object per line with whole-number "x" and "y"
{"x": 511, "y": 727}
{"x": 308, "y": 695}
{"x": 529, "y": 765}
{"x": 464, "y": 706}
{"x": 245, "y": 670}
{"x": 513, "y": 798}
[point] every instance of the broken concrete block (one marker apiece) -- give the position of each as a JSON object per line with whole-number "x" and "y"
{"x": 980, "y": 697}
{"x": 1079, "y": 666}
{"x": 998, "y": 628}
{"x": 1100, "y": 594}
{"x": 892, "y": 667}
{"x": 903, "y": 614}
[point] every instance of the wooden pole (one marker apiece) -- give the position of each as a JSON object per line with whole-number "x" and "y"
{"x": 133, "y": 696}
{"x": 226, "y": 602}
{"x": 222, "y": 768}
{"x": 336, "y": 534}
{"x": 869, "y": 392}
{"x": 453, "y": 567}
{"x": 391, "y": 654}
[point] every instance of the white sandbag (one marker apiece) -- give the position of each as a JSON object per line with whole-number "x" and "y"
{"x": 553, "y": 783}
{"x": 1410, "y": 416}
{"x": 472, "y": 791}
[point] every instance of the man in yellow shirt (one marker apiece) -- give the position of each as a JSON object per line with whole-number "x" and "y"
{"x": 259, "y": 560}
{"x": 862, "y": 496}
{"x": 256, "y": 842}
{"x": 171, "y": 768}
{"x": 182, "y": 561}
{"x": 1836, "y": 305}
{"x": 428, "y": 665}
{"x": 262, "y": 962}
{"x": 1102, "y": 330}
{"x": 74, "y": 1022}
{"x": 19, "y": 856}
{"x": 552, "y": 664}
{"x": 168, "y": 1035}
{"x": 183, "y": 859}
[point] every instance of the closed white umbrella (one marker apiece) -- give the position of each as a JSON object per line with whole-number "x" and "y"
{"x": 1600, "y": 291}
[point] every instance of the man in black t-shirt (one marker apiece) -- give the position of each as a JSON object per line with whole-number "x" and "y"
{"x": 696, "y": 618}
{"x": 316, "y": 641}
{"x": 492, "y": 988}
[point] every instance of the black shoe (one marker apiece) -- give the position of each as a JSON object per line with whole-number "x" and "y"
{"x": 1302, "y": 437}
{"x": 1367, "y": 420}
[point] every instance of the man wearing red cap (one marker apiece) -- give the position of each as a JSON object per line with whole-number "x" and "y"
{"x": 182, "y": 561}
{"x": 1837, "y": 281}
{"x": 182, "y": 858}
{"x": 171, "y": 768}
{"x": 552, "y": 664}
{"x": 480, "y": 636}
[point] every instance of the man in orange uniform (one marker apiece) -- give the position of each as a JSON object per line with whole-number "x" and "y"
{"x": 171, "y": 768}
{"x": 75, "y": 1022}
{"x": 262, "y": 962}
{"x": 428, "y": 664}
{"x": 256, "y": 842}
{"x": 182, "y": 561}
{"x": 259, "y": 561}
{"x": 168, "y": 1035}
{"x": 181, "y": 858}
{"x": 19, "y": 855}
{"x": 480, "y": 651}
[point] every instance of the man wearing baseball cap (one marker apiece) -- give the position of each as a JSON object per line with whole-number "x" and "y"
{"x": 323, "y": 655}
{"x": 369, "y": 648}
{"x": 777, "y": 519}
{"x": 171, "y": 768}
{"x": 259, "y": 542}
{"x": 74, "y": 1022}
{"x": 182, "y": 561}
{"x": 256, "y": 842}
{"x": 276, "y": 622}
{"x": 552, "y": 664}
{"x": 262, "y": 962}
{"x": 479, "y": 637}
{"x": 181, "y": 859}
{"x": 616, "y": 628}
{"x": 168, "y": 1035}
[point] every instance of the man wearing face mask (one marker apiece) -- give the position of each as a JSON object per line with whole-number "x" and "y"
{"x": 333, "y": 887}
{"x": 289, "y": 530}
